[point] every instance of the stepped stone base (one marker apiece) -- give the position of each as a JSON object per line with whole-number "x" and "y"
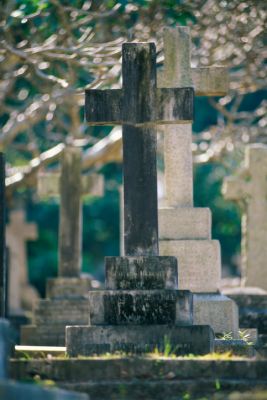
{"x": 199, "y": 263}
{"x": 88, "y": 340}
{"x": 142, "y": 307}
{"x": 236, "y": 347}
{"x": 252, "y": 307}
{"x": 184, "y": 223}
{"x": 67, "y": 305}
{"x": 218, "y": 311}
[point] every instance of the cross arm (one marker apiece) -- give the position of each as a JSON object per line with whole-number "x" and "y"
{"x": 103, "y": 107}
{"x": 210, "y": 81}
{"x": 48, "y": 185}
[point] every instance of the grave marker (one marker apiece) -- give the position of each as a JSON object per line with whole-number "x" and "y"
{"x": 185, "y": 231}
{"x": 3, "y": 266}
{"x": 66, "y": 300}
{"x": 141, "y": 287}
{"x": 18, "y": 232}
{"x": 249, "y": 189}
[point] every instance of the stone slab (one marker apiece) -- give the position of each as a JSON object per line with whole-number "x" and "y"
{"x": 61, "y": 287}
{"x": 141, "y": 273}
{"x": 10, "y": 390}
{"x": 237, "y": 347}
{"x": 5, "y": 346}
{"x": 142, "y": 307}
{"x": 184, "y": 223}
{"x": 43, "y": 335}
{"x": 88, "y": 340}
{"x": 252, "y": 309}
{"x": 199, "y": 263}
{"x": 218, "y": 311}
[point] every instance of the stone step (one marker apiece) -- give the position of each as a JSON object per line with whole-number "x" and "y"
{"x": 127, "y": 307}
{"x": 147, "y": 273}
{"x": 60, "y": 287}
{"x": 135, "y": 378}
{"x": 43, "y": 335}
{"x": 88, "y": 340}
{"x": 199, "y": 263}
{"x": 218, "y": 311}
{"x": 61, "y": 311}
{"x": 184, "y": 223}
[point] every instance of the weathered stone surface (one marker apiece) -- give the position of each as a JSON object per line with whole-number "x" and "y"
{"x": 87, "y": 340}
{"x": 220, "y": 312}
{"x": 184, "y": 223}
{"x": 142, "y": 307}
{"x": 141, "y": 273}
{"x": 135, "y": 378}
{"x": 198, "y": 259}
{"x": 23, "y": 391}
{"x": 61, "y": 287}
{"x": 210, "y": 81}
{"x": 252, "y": 309}
{"x": 237, "y": 347}
{"x": 249, "y": 189}
{"x": 50, "y": 319}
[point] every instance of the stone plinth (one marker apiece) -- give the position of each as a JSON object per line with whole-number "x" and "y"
{"x": 140, "y": 320}
{"x": 66, "y": 304}
{"x": 199, "y": 263}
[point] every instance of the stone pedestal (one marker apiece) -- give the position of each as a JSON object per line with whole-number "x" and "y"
{"x": 185, "y": 232}
{"x": 140, "y": 310}
{"x": 66, "y": 304}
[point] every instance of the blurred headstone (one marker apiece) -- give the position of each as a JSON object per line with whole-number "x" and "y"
{"x": 66, "y": 301}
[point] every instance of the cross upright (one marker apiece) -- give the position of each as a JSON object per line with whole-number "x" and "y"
{"x": 139, "y": 106}
{"x": 3, "y": 266}
{"x": 206, "y": 81}
{"x": 249, "y": 189}
{"x": 70, "y": 186}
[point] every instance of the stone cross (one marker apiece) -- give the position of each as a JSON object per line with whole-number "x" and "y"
{"x": 70, "y": 185}
{"x": 3, "y": 266}
{"x": 249, "y": 189}
{"x": 18, "y": 232}
{"x": 139, "y": 106}
{"x": 207, "y": 81}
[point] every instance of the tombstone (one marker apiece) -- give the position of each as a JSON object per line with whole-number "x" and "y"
{"x": 141, "y": 308}
{"x": 21, "y": 295}
{"x": 249, "y": 189}
{"x": 66, "y": 301}
{"x": 185, "y": 231}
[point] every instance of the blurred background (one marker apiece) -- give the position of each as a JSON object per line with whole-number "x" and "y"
{"x": 52, "y": 49}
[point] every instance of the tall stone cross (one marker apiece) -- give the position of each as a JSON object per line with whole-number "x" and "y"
{"x": 207, "y": 81}
{"x": 3, "y": 266}
{"x": 249, "y": 189}
{"x": 18, "y": 232}
{"x": 139, "y": 106}
{"x": 70, "y": 185}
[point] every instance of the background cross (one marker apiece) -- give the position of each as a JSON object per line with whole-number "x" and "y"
{"x": 249, "y": 189}
{"x": 70, "y": 186}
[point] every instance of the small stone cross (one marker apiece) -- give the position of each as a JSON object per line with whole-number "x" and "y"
{"x": 139, "y": 106}
{"x": 249, "y": 188}
{"x": 207, "y": 81}
{"x": 18, "y": 232}
{"x": 70, "y": 185}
